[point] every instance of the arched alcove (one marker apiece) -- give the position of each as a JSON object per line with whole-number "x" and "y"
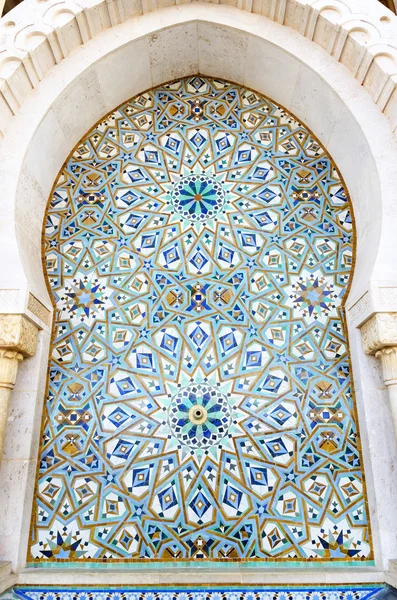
{"x": 198, "y": 245}
{"x": 270, "y": 59}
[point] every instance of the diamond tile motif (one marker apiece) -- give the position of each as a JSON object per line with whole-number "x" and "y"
{"x": 198, "y": 246}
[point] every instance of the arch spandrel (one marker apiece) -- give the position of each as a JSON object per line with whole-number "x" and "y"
{"x": 199, "y": 245}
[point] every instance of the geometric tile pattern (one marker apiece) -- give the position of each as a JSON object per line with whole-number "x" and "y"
{"x": 230, "y": 593}
{"x": 198, "y": 247}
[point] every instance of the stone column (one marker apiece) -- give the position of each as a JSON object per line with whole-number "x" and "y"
{"x": 379, "y": 335}
{"x": 18, "y": 339}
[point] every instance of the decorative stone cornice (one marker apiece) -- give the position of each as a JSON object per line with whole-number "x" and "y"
{"x": 18, "y": 334}
{"x": 380, "y": 331}
{"x": 9, "y": 361}
{"x": 388, "y": 358}
{"x": 35, "y": 36}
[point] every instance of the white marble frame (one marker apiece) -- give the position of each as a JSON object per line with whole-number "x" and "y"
{"x": 145, "y": 51}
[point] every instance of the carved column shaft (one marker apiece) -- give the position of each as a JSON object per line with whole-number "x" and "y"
{"x": 379, "y": 335}
{"x": 9, "y": 360}
{"x": 388, "y": 358}
{"x": 18, "y": 338}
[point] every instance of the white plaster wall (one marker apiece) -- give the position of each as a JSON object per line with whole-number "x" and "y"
{"x": 148, "y": 50}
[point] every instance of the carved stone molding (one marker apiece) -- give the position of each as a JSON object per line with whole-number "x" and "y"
{"x": 388, "y": 296}
{"x": 19, "y": 334}
{"x": 380, "y": 331}
{"x": 38, "y": 309}
{"x": 9, "y": 361}
{"x": 35, "y": 36}
{"x": 360, "y": 309}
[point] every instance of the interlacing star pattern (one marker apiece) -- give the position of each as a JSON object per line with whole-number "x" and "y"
{"x": 198, "y": 246}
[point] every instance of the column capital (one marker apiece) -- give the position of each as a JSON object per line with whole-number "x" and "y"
{"x": 380, "y": 331}
{"x": 9, "y": 361}
{"x": 18, "y": 334}
{"x": 388, "y": 358}
{"x": 18, "y": 338}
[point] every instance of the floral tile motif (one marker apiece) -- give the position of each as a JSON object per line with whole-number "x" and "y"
{"x": 198, "y": 246}
{"x": 231, "y": 593}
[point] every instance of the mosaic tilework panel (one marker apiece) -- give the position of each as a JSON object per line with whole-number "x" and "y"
{"x": 198, "y": 246}
{"x": 326, "y": 593}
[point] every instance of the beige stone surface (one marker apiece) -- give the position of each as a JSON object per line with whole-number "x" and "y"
{"x": 19, "y": 334}
{"x": 379, "y": 331}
